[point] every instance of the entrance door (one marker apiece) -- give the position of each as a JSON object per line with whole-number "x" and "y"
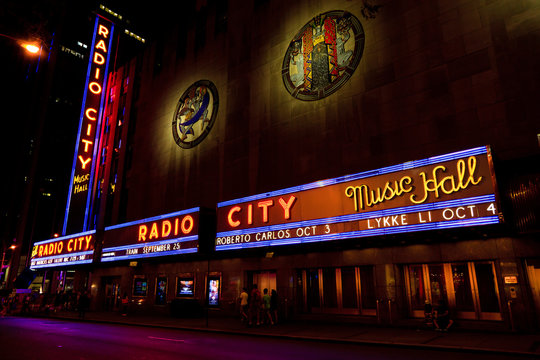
{"x": 468, "y": 288}
{"x": 416, "y": 290}
{"x": 462, "y": 288}
{"x": 427, "y": 283}
{"x": 264, "y": 280}
{"x": 111, "y": 290}
{"x": 346, "y": 290}
{"x": 486, "y": 291}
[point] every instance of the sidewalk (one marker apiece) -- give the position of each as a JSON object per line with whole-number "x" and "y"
{"x": 520, "y": 345}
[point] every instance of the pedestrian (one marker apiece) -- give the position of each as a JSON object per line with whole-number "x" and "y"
{"x": 44, "y": 305}
{"x": 25, "y": 308}
{"x": 244, "y": 297}
{"x": 3, "y": 307}
{"x": 255, "y": 305}
{"x": 428, "y": 313}
{"x": 125, "y": 303}
{"x": 442, "y": 319}
{"x": 58, "y": 301}
{"x": 266, "y": 307}
{"x": 83, "y": 304}
{"x": 13, "y": 303}
{"x": 274, "y": 305}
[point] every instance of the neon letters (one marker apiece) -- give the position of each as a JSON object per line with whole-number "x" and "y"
{"x": 166, "y": 228}
{"x": 233, "y": 217}
{"x": 95, "y": 86}
{"x": 78, "y": 209}
{"x": 432, "y": 183}
{"x": 64, "y": 246}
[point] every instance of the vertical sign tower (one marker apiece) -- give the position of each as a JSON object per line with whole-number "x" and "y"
{"x": 80, "y": 195}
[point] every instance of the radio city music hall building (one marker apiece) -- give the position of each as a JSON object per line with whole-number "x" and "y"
{"x": 359, "y": 159}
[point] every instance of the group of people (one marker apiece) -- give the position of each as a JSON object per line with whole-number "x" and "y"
{"x": 438, "y": 317}
{"x": 261, "y": 308}
{"x": 16, "y": 304}
{"x": 33, "y": 302}
{"x": 7, "y": 305}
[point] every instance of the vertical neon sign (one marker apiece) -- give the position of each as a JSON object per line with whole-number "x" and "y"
{"x": 86, "y": 148}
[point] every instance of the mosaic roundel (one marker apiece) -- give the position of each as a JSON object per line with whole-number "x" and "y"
{"x": 323, "y": 55}
{"x": 195, "y": 114}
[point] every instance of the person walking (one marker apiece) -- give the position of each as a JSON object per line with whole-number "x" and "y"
{"x": 25, "y": 305}
{"x": 244, "y": 297}
{"x": 274, "y": 305}
{"x": 3, "y": 307}
{"x": 125, "y": 303}
{"x": 266, "y": 307}
{"x": 428, "y": 313}
{"x": 255, "y": 306}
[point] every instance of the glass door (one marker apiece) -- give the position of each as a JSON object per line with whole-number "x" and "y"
{"x": 486, "y": 291}
{"x": 313, "y": 293}
{"x": 416, "y": 291}
{"x": 329, "y": 290}
{"x": 368, "y": 298}
{"x": 111, "y": 287}
{"x": 461, "y": 286}
{"x": 470, "y": 289}
{"x": 346, "y": 290}
{"x": 437, "y": 284}
{"x": 348, "y": 287}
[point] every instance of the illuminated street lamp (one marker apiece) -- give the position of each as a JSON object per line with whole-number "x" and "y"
{"x": 31, "y": 47}
{"x": 12, "y": 247}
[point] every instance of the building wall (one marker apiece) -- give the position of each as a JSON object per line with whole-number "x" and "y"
{"x": 435, "y": 77}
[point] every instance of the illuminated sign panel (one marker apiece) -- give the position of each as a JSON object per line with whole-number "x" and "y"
{"x": 447, "y": 191}
{"x": 82, "y": 175}
{"x": 62, "y": 251}
{"x": 170, "y": 234}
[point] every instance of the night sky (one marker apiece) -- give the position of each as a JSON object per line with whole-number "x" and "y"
{"x": 24, "y": 90}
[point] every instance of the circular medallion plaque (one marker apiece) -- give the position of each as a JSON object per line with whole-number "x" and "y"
{"x": 195, "y": 114}
{"x": 323, "y": 55}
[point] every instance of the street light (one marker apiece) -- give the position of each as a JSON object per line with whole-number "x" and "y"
{"x": 12, "y": 247}
{"x": 31, "y": 47}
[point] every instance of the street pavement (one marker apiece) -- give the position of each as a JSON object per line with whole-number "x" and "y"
{"x": 525, "y": 345}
